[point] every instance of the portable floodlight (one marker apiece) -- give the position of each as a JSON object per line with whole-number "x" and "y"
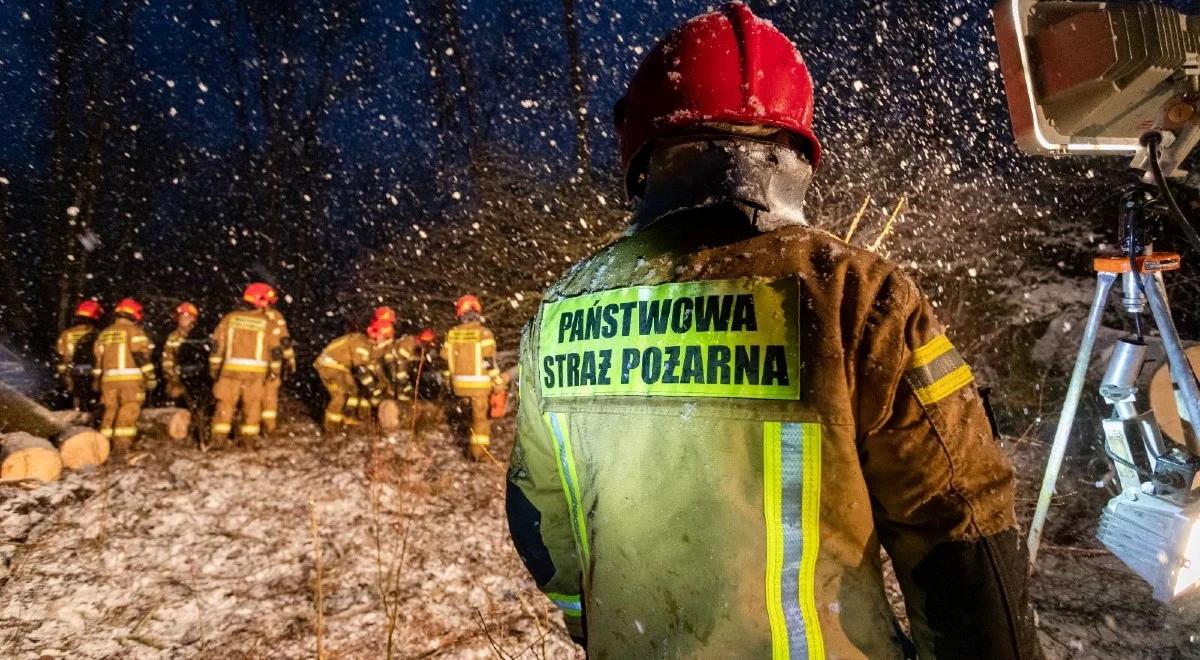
{"x": 1093, "y": 78}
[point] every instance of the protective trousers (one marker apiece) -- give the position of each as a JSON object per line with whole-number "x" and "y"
{"x": 481, "y": 427}
{"x": 270, "y": 406}
{"x": 341, "y": 388}
{"x": 122, "y": 401}
{"x": 229, "y": 392}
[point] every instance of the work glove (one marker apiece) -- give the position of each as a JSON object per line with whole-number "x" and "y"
{"x": 151, "y": 383}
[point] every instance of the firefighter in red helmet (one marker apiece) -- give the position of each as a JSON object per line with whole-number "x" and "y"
{"x": 726, "y": 413}
{"x": 185, "y": 320}
{"x": 244, "y": 347}
{"x": 124, "y": 373}
{"x": 470, "y": 354}
{"x": 74, "y": 351}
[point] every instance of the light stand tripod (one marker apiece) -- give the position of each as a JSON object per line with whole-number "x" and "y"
{"x": 1152, "y": 524}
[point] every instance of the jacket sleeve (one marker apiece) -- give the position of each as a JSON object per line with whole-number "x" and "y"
{"x": 63, "y": 350}
{"x": 487, "y": 349}
{"x": 217, "y": 359}
{"x": 941, "y": 488}
{"x": 538, "y": 517}
{"x": 170, "y": 366}
{"x": 142, "y": 350}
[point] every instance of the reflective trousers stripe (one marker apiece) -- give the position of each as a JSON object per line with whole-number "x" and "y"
{"x": 792, "y": 509}
{"x": 270, "y": 414}
{"x": 570, "y": 483}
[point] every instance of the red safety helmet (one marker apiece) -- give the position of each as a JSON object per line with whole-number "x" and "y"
{"x": 427, "y": 336}
{"x": 186, "y": 308}
{"x": 467, "y": 304}
{"x": 259, "y": 294}
{"x": 384, "y": 314}
{"x": 89, "y": 309}
{"x": 379, "y": 331}
{"x": 129, "y": 307}
{"x": 724, "y": 67}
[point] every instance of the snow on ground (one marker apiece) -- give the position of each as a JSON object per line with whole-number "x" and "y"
{"x": 187, "y": 554}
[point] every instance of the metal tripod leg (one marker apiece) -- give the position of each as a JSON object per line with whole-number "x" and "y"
{"x": 1104, "y": 284}
{"x": 1181, "y": 369}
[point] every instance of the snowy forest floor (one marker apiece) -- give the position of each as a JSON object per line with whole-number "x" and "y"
{"x": 184, "y": 554}
{"x": 204, "y": 555}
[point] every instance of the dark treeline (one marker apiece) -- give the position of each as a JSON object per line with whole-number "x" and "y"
{"x": 354, "y": 152}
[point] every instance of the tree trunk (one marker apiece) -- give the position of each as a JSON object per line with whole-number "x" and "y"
{"x": 578, "y": 90}
{"x": 24, "y": 456}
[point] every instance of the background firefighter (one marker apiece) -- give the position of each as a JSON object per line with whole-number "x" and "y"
{"x": 731, "y": 501}
{"x": 75, "y": 354}
{"x": 348, "y": 371}
{"x": 239, "y": 366}
{"x": 283, "y": 363}
{"x": 470, "y": 353}
{"x": 124, "y": 373}
{"x": 172, "y": 371}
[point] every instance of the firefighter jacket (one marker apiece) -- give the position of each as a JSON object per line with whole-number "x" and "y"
{"x": 354, "y": 354}
{"x": 398, "y": 365}
{"x": 122, "y": 353}
{"x": 243, "y": 345}
{"x": 74, "y": 350}
{"x": 285, "y": 354}
{"x": 714, "y": 442}
{"x": 470, "y": 352}
{"x": 170, "y": 356}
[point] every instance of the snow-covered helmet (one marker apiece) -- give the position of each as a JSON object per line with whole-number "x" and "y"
{"x": 724, "y": 67}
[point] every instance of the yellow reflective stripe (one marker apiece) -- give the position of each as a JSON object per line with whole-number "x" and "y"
{"x": 125, "y": 431}
{"x": 123, "y": 378}
{"x": 481, "y": 440}
{"x": 945, "y": 386}
{"x": 270, "y": 414}
{"x": 561, "y": 434}
{"x": 249, "y": 429}
{"x": 791, "y": 511}
{"x": 106, "y": 432}
{"x": 222, "y": 427}
{"x": 216, "y": 359}
{"x": 334, "y": 417}
{"x": 246, "y": 368}
{"x": 930, "y": 352}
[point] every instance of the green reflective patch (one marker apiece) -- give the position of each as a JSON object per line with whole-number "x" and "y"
{"x": 727, "y": 338}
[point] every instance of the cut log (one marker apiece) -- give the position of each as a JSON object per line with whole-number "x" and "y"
{"x": 24, "y": 456}
{"x": 390, "y": 416}
{"x": 170, "y": 423}
{"x": 82, "y": 448}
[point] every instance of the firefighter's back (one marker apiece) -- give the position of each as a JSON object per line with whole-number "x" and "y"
{"x": 244, "y": 344}
{"x": 702, "y": 404}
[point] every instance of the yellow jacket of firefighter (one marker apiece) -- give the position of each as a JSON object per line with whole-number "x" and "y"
{"x": 470, "y": 353}
{"x": 243, "y": 343}
{"x": 717, "y": 441}
{"x": 70, "y": 341}
{"x": 352, "y": 353}
{"x": 122, "y": 353}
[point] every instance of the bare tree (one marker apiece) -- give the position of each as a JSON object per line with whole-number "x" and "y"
{"x": 578, "y": 89}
